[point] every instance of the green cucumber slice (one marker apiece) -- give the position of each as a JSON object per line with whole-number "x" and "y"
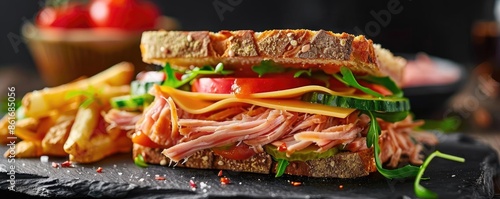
{"x": 131, "y": 103}
{"x": 306, "y": 154}
{"x": 387, "y": 104}
{"x": 141, "y": 88}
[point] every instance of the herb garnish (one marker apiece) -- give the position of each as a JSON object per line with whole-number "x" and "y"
{"x": 391, "y": 116}
{"x": 172, "y": 80}
{"x": 139, "y": 161}
{"x": 449, "y": 124}
{"x": 386, "y": 82}
{"x": 89, "y": 95}
{"x": 280, "y": 168}
{"x": 349, "y": 80}
{"x": 301, "y": 72}
{"x": 268, "y": 66}
{"x": 372, "y": 140}
{"x": 421, "y": 191}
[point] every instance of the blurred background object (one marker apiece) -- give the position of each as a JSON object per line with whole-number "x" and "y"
{"x": 69, "y": 39}
{"x": 463, "y": 33}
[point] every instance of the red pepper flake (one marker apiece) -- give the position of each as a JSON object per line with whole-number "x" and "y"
{"x": 225, "y": 180}
{"x": 282, "y": 147}
{"x": 296, "y": 183}
{"x": 158, "y": 177}
{"x": 66, "y": 164}
{"x": 192, "y": 184}
{"x": 99, "y": 170}
{"x": 341, "y": 186}
{"x": 220, "y": 173}
{"x": 55, "y": 165}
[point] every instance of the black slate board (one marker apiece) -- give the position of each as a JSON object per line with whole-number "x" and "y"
{"x": 121, "y": 178}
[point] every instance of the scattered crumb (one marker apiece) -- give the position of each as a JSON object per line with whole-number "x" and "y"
{"x": 453, "y": 175}
{"x": 55, "y": 165}
{"x": 158, "y": 177}
{"x": 220, "y": 174}
{"x": 192, "y": 184}
{"x": 296, "y": 183}
{"x": 99, "y": 170}
{"x": 341, "y": 186}
{"x": 67, "y": 164}
{"x": 225, "y": 181}
{"x": 142, "y": 179}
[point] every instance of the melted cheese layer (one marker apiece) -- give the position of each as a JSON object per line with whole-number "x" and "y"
{"x": 199, "y": 103}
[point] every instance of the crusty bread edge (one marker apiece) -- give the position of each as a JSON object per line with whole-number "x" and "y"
{"x": 341, "y": 165}
{"x": 288, "y": 47}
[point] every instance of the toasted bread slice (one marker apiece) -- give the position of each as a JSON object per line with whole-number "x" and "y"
{"x": 341, "y": 165}
{"x": 319, "y": 50}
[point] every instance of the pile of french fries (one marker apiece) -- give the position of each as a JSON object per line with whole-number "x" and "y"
{"x": 57, "y": 125}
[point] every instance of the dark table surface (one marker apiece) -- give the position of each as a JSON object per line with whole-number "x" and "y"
{"x": 121, "y": 178}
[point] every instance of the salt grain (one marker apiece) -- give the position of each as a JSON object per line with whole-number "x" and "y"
{"x": 44, "y": 159}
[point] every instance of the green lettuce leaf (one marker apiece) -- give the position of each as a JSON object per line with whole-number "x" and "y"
{"x": 173, "y": 82}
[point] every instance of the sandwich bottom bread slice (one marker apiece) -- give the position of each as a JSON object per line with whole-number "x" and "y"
{"x": 298, "y": 102}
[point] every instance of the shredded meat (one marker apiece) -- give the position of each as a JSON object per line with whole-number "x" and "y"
{"x": 184, "y": 134}
{"x": 122, "y": 119}
{"x": 396, "y": 141}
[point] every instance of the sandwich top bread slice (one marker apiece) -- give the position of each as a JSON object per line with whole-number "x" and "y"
{"x": 300, "y": 102}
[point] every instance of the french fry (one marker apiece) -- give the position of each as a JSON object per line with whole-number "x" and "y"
{"x": 31, "y": 129}
{"x": 83, "y": 127}
{"x": 26, "y": 149}
{"x": 38, "y": 103}
{"x": 92, "y": 141}
{"x": 109, "y": 92}
{"x": 28, "y": 124}
{"x": 53, "y": 142}
{"x": 102, "y": 146}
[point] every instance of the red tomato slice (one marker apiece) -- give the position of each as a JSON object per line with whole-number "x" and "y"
{"x": 377, "y": 88}
{"x": 337, "y": 85}
{"x": 245, "y": 86}
{"x": 235, "y": 152}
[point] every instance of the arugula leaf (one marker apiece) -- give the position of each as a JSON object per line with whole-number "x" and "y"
{"x": 267, "y": 66}
{"x": 139, "y": 161}
{"x": 372, "y": 140}
{"x": 421, "y": 191}
{"x": 386, "y": 82}
{"x": 391, "y": 116}
{"x": 349, "y": 80}
{"x": 89, "y": 95}
{"x": 173, "y": 82}
{"x": 280, "y": 170}
{"x": 449, "y": 124}
{"x": 300, "y": 72}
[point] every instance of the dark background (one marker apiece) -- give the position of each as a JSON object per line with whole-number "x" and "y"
{"x": 439, "y": 28}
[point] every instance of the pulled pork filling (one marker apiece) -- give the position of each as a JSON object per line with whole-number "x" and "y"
{"x": 183, "y": 134}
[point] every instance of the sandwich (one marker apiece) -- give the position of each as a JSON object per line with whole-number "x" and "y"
{"x": 296, "y": 102}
